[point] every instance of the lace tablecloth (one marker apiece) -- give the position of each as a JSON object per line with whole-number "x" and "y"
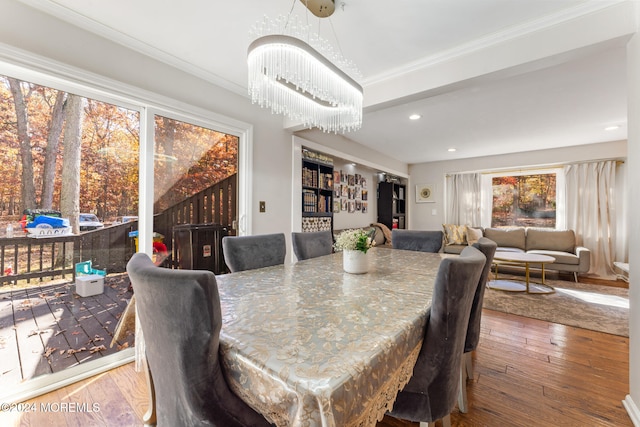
{"x": 309, "y": 345}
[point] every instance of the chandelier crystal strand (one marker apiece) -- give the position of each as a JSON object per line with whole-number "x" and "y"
{"x": 292, "y": 77}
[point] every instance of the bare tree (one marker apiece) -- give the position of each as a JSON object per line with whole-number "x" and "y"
{"x": 53, "y": 141}
{"x": 28, "y": 189}
{"x": 70, "y": 191}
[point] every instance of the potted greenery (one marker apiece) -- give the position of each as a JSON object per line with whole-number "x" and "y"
{"x": 354, "y": 245}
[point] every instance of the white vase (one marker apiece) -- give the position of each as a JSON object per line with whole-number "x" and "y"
{"x": 356, "y": 262}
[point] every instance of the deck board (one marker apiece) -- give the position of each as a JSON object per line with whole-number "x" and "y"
{"x": 10, "y": 366}
{"x": 43, "y": 327}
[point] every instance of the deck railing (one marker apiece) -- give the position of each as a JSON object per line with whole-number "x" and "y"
{"x": 36, "y": 259}
{"x": 214, "y": 205}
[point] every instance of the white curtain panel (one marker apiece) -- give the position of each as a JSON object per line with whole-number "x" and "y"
{"x": 463, "y": 193}
{"x": 591, "y": 211}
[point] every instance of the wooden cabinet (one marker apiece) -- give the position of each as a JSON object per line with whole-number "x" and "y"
{"x": 392, "y": 204}
{"x": 317, "y": 192}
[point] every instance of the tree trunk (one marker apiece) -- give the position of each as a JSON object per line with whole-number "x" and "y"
{"x": 70, "y": 191}
{"x": 53, "y": 140}
{"x": 27, "y": 187}
{"x": 165, "y": 138}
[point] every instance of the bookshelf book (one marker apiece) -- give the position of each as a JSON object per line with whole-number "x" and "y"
{"x": 317, "y": 191}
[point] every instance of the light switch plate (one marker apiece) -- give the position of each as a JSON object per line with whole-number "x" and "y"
{"x": 263, "y": 206}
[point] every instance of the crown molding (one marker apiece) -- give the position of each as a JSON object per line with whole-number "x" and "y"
{"x": 527, "y": 28}
{"x": 511, "y": 33}
{"x": 45, "y": 71}
{"x": 72, "y": 17}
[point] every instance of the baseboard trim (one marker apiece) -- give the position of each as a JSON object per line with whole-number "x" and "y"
{"x": 632, "y": 410}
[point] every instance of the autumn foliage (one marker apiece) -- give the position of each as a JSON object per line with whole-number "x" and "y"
{"x": 187, "y": 158}
{"x": 524, "y": 200}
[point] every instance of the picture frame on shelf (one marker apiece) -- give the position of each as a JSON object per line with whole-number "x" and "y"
{"x": 425, "y": 193}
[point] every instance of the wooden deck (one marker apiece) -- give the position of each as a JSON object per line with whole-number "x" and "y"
{"x": 47, "y": 328}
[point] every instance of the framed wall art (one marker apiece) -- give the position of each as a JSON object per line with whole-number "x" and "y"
{"x": 425, "y": 193}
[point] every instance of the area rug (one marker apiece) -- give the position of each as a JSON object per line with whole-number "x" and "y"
{"x": 587, "y": 306}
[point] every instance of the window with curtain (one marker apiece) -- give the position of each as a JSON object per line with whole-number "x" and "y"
{"x": 463, "y": 199}
{"x": 594, "y": 198}
{"x": 589, "y": 199}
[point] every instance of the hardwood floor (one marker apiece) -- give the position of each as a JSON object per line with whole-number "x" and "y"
{"x": 527, "y": 373}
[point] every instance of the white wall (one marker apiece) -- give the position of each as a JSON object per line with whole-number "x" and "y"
{"x": 421, "y": 214}
{"x": 632, "y": 401}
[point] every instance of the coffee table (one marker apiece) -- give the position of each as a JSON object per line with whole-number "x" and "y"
{"x": 521, "y": 259}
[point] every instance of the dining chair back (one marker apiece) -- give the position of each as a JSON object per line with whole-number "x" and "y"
{"x": 432, "y": 391}
{"x": 488, "y": 249}
{"x": 180, "y": 315}
{"x": 250, "y": 252}
{"x": 417, "y": 240}
{"x": 312, "y": 244}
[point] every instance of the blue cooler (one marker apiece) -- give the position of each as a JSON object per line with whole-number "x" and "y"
{"x": 49, "y": 220}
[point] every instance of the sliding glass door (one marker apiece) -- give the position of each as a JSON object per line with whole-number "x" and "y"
{"x": 69, "y": 174}
{"x": 87, "y": 180}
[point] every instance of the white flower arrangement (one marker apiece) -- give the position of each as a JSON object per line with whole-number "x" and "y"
{"x": 354, "y": 240}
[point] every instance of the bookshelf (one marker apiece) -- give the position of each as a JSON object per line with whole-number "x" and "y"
{"x": 392, "y": 204}
{"x": 317, "y": 191}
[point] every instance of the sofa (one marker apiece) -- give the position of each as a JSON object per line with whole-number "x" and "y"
{"x": 560, "y": 244}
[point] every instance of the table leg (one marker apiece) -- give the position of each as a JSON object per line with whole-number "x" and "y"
{"x": 542, "y": 287}
{"x": 526, "y": 275}
{"x": 505, "y": 285}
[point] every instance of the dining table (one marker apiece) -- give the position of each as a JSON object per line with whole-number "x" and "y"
{"x": 307, "y": 344}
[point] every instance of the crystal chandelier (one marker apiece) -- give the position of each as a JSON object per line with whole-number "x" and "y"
{"x": 299, "y": 75}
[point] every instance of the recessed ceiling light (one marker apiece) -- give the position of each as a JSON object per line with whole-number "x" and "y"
{"x": 451, "y": 149}
{"x": 614, "y": 127}
{"x": 414, "y": 116}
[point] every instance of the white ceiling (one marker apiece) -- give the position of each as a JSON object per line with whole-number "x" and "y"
{"x": 506, "y": 104}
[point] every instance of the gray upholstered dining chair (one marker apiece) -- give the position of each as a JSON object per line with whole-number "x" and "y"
{"x": 432, "y": 391}
{"x": 488, "y": 249}
{"x": 180, "y": 315}
{"x": 417, "y": 240}
{"x": 312, "y": 244}
{"x": 249, "y": 252}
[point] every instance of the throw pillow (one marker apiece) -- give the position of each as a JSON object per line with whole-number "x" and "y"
{"x": 454, "y": 234}
{"x": 473, "y": 235}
